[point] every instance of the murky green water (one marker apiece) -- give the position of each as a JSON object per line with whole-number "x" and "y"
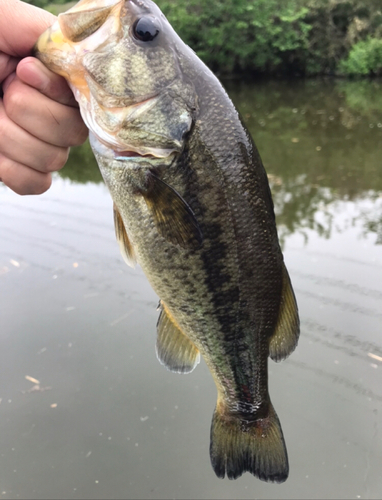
{"x": 106, "y": 420}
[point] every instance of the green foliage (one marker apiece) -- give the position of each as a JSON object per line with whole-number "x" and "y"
{"x": 365, "y": 58}
{"x": 276, "y": 36}
{"x": 303, "y": 37}
{"x": 45, "y": 4}
{"x": 241, "y": 35}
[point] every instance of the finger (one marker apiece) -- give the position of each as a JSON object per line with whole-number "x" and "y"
{"x": 34, "y": 153}
{"x": 42, "y": 117}
{"x": 20, "y": 26}
{"x": 22, "y": 179}
{"x": 32, "y": 72}
{"x": 7, "y": 65}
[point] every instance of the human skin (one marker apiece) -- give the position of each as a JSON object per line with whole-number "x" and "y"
{"x": 39, "y": 118}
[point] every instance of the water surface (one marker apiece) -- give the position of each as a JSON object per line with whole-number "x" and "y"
{"x": 105, "y": 419}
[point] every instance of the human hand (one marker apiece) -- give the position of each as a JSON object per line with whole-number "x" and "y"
{"x": 39, "y": 118}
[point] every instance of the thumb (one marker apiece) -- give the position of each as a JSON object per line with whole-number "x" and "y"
{"x": 20, "y": 26}
{"x": 32, "y": 72}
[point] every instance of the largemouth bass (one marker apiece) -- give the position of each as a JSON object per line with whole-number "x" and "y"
{"x": 192, "y": 206}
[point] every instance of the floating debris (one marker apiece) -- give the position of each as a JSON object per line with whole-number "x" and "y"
{"x": 37, "y": 388}
{"x": 121, "y": 318}
{"x": 374, "y": 356}
{"x": 54, "y": 405}
{"x": 14, "y": 263}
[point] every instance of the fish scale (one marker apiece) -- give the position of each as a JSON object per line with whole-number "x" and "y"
{"x": 192, "y": 206}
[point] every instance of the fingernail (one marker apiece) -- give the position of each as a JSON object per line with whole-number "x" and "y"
{"x": 8, "y": 81}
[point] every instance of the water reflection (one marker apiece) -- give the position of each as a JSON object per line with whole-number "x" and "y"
{"x": 320, "y": 142}
{"x": 82, "y": 166}
{"x": 115, "y": 423}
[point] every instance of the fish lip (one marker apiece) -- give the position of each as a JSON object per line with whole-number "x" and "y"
{"x": 108, "y": 141}
{"x": 133, "y": 155}
{"x": 127, "y": 155}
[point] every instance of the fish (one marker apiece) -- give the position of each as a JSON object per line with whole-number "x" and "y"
{"x": 193, "y": 207}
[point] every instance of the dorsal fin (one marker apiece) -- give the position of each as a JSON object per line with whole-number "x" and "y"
{"x": 284, "y": 340}
{"x": 76, "y": 25}
{"x": 174, "y": 349}
{"x": 124, "y": 243}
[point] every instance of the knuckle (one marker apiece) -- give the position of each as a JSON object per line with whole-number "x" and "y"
{"x": 42, "y": 186}
{"x": 37, "y": 187}
{"x": 57, "y": 160}
{"x": 23, "y": 181}
{"x": 76, "y": 130}
{"x": 13, "y": 103}
{"x": 4, "y": 126}
{"x": 3, "y": 163}
{"x": 80, "y": 135}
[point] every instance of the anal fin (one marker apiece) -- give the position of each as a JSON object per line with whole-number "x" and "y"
{"x": 283, "y": 342}
{"x": 174, "y": 349}
{"x": 124, "y": 243}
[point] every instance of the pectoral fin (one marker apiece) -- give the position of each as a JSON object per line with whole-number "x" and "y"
{"x": 174, "y": 349}
{"x": 173, "y": 217}
{"x": 124, "y": 243}
{"x": 284, "y": 340}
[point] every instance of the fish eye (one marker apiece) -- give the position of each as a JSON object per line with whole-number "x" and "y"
{"x": 145, "y": 29}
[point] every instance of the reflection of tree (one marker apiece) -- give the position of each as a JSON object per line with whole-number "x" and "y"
{"x": 320, "y": 141}
{"x": 309, "y": 127}
{"x": 375, "y": 227}
{"x": 300, "y": 206}
{"x": 364, "y": 96}
{"x": 372, "y": 217}
{"x": 82, "y": 166}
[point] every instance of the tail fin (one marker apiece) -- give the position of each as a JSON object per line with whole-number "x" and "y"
{"x": 257, "y": 447}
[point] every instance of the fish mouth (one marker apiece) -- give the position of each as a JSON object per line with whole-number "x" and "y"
{"x": 126, "y": 154}
{"x": 61, "y": 47}
{"x": 114, "y": 140}
{"x": 108, "y": 117}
